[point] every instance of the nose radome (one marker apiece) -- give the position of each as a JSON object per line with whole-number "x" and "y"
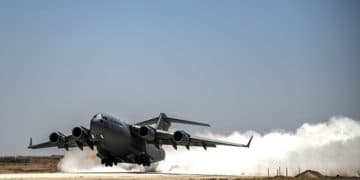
{"x": 95, "y": 122}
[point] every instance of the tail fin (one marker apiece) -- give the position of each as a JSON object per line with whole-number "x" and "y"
{"x": 163, "y": 122}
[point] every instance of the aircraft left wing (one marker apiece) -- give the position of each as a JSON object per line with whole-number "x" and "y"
{"x": 80, "y": 137}
{"x": 41, "y": 145}
{"x": 66, "y": 143}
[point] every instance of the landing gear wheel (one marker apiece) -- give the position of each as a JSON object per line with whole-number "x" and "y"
{"x": 143, "y": 160}
{"x": 147, "y": 163}
{"x": 107, "y": 162}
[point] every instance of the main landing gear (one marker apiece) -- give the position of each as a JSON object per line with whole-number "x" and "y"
{"x": 143, "y": 160}
{"x": 109, "y": 162}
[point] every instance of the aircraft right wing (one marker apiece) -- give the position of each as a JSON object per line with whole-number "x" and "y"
{"x": 183, "y": 138}
{"x": 200, "y": 140}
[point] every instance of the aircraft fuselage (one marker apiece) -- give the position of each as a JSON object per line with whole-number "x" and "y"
{"x": 115, "y": 143}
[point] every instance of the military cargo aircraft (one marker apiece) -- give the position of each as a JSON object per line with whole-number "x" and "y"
{"x": 140, "y": 143}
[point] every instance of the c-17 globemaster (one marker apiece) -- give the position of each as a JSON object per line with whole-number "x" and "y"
{"x": 140, "y": 143}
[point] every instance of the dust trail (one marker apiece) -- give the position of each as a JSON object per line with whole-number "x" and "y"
{"x": 330, "y": 147}
{"x": 86, "y": 161}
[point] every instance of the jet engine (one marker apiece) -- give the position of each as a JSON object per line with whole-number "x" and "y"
{"x": 148, "y": 133}
{"x": 57, "y": 137}
{"x": 80, "y": 133}
{"x": 181, "y": 137}
{"x": 81, "y": 136}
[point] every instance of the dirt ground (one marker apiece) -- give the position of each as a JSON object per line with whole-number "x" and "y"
{"x": 45, "y": 168}
{"x": 24, "y": 164}
{"x": 146, "y": 176}
{"x": 113, "y": 176}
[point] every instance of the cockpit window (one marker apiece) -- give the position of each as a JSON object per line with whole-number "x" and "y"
{"x": 98, "y": 116}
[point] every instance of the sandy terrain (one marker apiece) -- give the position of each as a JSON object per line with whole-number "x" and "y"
{"x": 45, "y": 168}
{"x": 149, "y": 176}
{"x": 110, "y": 176}
{"x": 23, "y": 164}
{"x": 28, "y": 167}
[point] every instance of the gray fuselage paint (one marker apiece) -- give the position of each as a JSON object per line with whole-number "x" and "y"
{"x": 114, "y": 140}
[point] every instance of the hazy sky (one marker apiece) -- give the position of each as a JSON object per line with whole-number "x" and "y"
{"x": 238, "y": 65}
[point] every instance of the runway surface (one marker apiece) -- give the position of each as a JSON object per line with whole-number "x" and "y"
{"x": 111, "y": 176}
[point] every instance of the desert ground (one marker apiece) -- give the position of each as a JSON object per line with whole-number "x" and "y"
{"x": 27, "y": 164}
{"x": 45, "y": 168}
{"x": 112, "y": 176}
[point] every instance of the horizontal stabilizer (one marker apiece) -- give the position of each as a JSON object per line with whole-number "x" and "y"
{"x": 163, "y": 122}
{"x": 180, "y": 121}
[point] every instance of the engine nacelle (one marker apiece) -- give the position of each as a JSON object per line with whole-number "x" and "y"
{"x": 181, "y": 138}
{"x": 148, "y": 133}
{"x": 57, "y": 137}
{"x": 80, "y": 133}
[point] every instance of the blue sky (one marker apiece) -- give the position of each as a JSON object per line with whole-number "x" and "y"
{"x": 238, "y": 65}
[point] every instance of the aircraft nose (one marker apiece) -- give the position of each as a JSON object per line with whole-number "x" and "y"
{"x": 97, "y": 122}
{"x": 94, "y": 121}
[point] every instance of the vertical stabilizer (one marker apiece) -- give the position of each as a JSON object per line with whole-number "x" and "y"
{"x": 163, "y": 123}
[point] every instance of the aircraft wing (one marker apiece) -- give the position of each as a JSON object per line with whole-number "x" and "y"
{"x": 59, "y": 140}
{"x": 69, "y": 142}
{"x": 159, "y": 134}
{"x": 41, "y": 145}
{"x": 167, "y": 138}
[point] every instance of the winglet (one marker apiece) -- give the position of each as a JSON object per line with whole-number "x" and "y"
{"x": 30, "y": 144}
{"x": 248, "y": 144}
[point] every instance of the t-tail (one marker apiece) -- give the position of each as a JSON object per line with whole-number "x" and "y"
{"x": 163, "y": 122}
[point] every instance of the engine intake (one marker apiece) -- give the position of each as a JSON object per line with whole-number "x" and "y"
{"x": 56, "y": 137}
{"x": 148, "y": 133}
{"x": 181, "y": 138}
{"x": 80, "y": 132}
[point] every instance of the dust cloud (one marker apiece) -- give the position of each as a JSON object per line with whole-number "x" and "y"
{"x": 331, "y": 147}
